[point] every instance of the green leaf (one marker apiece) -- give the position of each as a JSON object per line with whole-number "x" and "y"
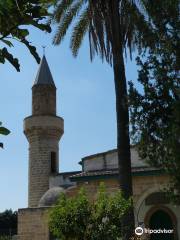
{"x": 14, "y": 15}
{"x": 14, "y": 61}
{"x": 4, "y": 131}
{"x": 32, "y": 50}
{"x": 7, "y": 43}
{"x": 43, "y": 27}
{"x": 24, "y": 32}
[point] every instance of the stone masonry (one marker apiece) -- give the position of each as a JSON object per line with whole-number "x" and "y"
{"x": 33, "y": 224}
{"x": 43, "y": 130}
{"x": 43, "y": 134}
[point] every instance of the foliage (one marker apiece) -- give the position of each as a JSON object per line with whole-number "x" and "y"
{"x": 69, "y": 218}
{"x": 107, "y": 214}
{"x": 155, "y": 112}
{"x": 79, "y": 219}
{"x": 95, "y": 18}
{"x": 8, "y": 222}
{"x": 15, "y": 17}
{"x": 3, "y": 131}
{"x": 5, "y": 238}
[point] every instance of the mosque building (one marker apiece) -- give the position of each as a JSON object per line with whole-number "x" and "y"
{"x": 44, "y": 130}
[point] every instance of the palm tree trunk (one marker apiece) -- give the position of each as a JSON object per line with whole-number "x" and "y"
{"x": 123, "y": 141}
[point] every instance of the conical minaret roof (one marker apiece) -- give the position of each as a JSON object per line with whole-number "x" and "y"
{"x": 44, "y": 75}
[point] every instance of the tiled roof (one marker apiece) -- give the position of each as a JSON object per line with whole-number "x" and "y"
{"x": 112, "y": 172}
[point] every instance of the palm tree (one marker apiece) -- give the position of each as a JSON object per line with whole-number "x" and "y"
{"x": 114, "y": 27}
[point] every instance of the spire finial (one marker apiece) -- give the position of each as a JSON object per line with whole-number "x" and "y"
{"x": 44, "y": 50}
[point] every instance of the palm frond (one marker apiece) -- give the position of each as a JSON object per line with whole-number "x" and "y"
{"x": 92, "y": 41}
{"x": 60, "y": 9}
{"x": 95, "y": 16}
{"x": 98, "y": 26}
{"x": 66, "y": 20}
{"x": 142, "y": 35}
{"x": 79, "y": 32}
{"x": 98, "y": 34}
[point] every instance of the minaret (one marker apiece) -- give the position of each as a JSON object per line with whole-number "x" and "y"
{"x": 43, "y": 130}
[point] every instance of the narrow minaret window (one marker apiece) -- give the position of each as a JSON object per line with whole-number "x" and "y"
{"x": 53, "y": 162}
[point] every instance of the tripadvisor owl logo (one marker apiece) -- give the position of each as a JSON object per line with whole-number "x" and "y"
{"x": 139, "y": 231}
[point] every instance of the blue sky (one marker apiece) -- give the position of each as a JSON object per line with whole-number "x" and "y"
{"x": 85, "y": 99}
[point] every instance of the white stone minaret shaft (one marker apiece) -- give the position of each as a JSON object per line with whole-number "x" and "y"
{"x": 43, "y": 130}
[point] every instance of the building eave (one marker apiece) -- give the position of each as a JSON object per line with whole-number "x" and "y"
{"x": 114, "y": 174}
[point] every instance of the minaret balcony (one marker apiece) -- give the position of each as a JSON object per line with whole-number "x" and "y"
{"x": 37, "y": 125}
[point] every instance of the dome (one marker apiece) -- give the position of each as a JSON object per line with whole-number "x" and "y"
{"x": 51, "y": 196}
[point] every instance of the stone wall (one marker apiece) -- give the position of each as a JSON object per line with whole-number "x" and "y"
{"x": 109, "y": 160}
{"x": 43, "y": 134}
{"x": 33, "y": 224}
{"x": 33, "y": 221}
{"x": 140, "y": 185}
{"x": 143, "y": 186}
{"x": 43, "y": 100}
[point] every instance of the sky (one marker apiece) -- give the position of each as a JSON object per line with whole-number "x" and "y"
{"x": 85, "y": 99}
